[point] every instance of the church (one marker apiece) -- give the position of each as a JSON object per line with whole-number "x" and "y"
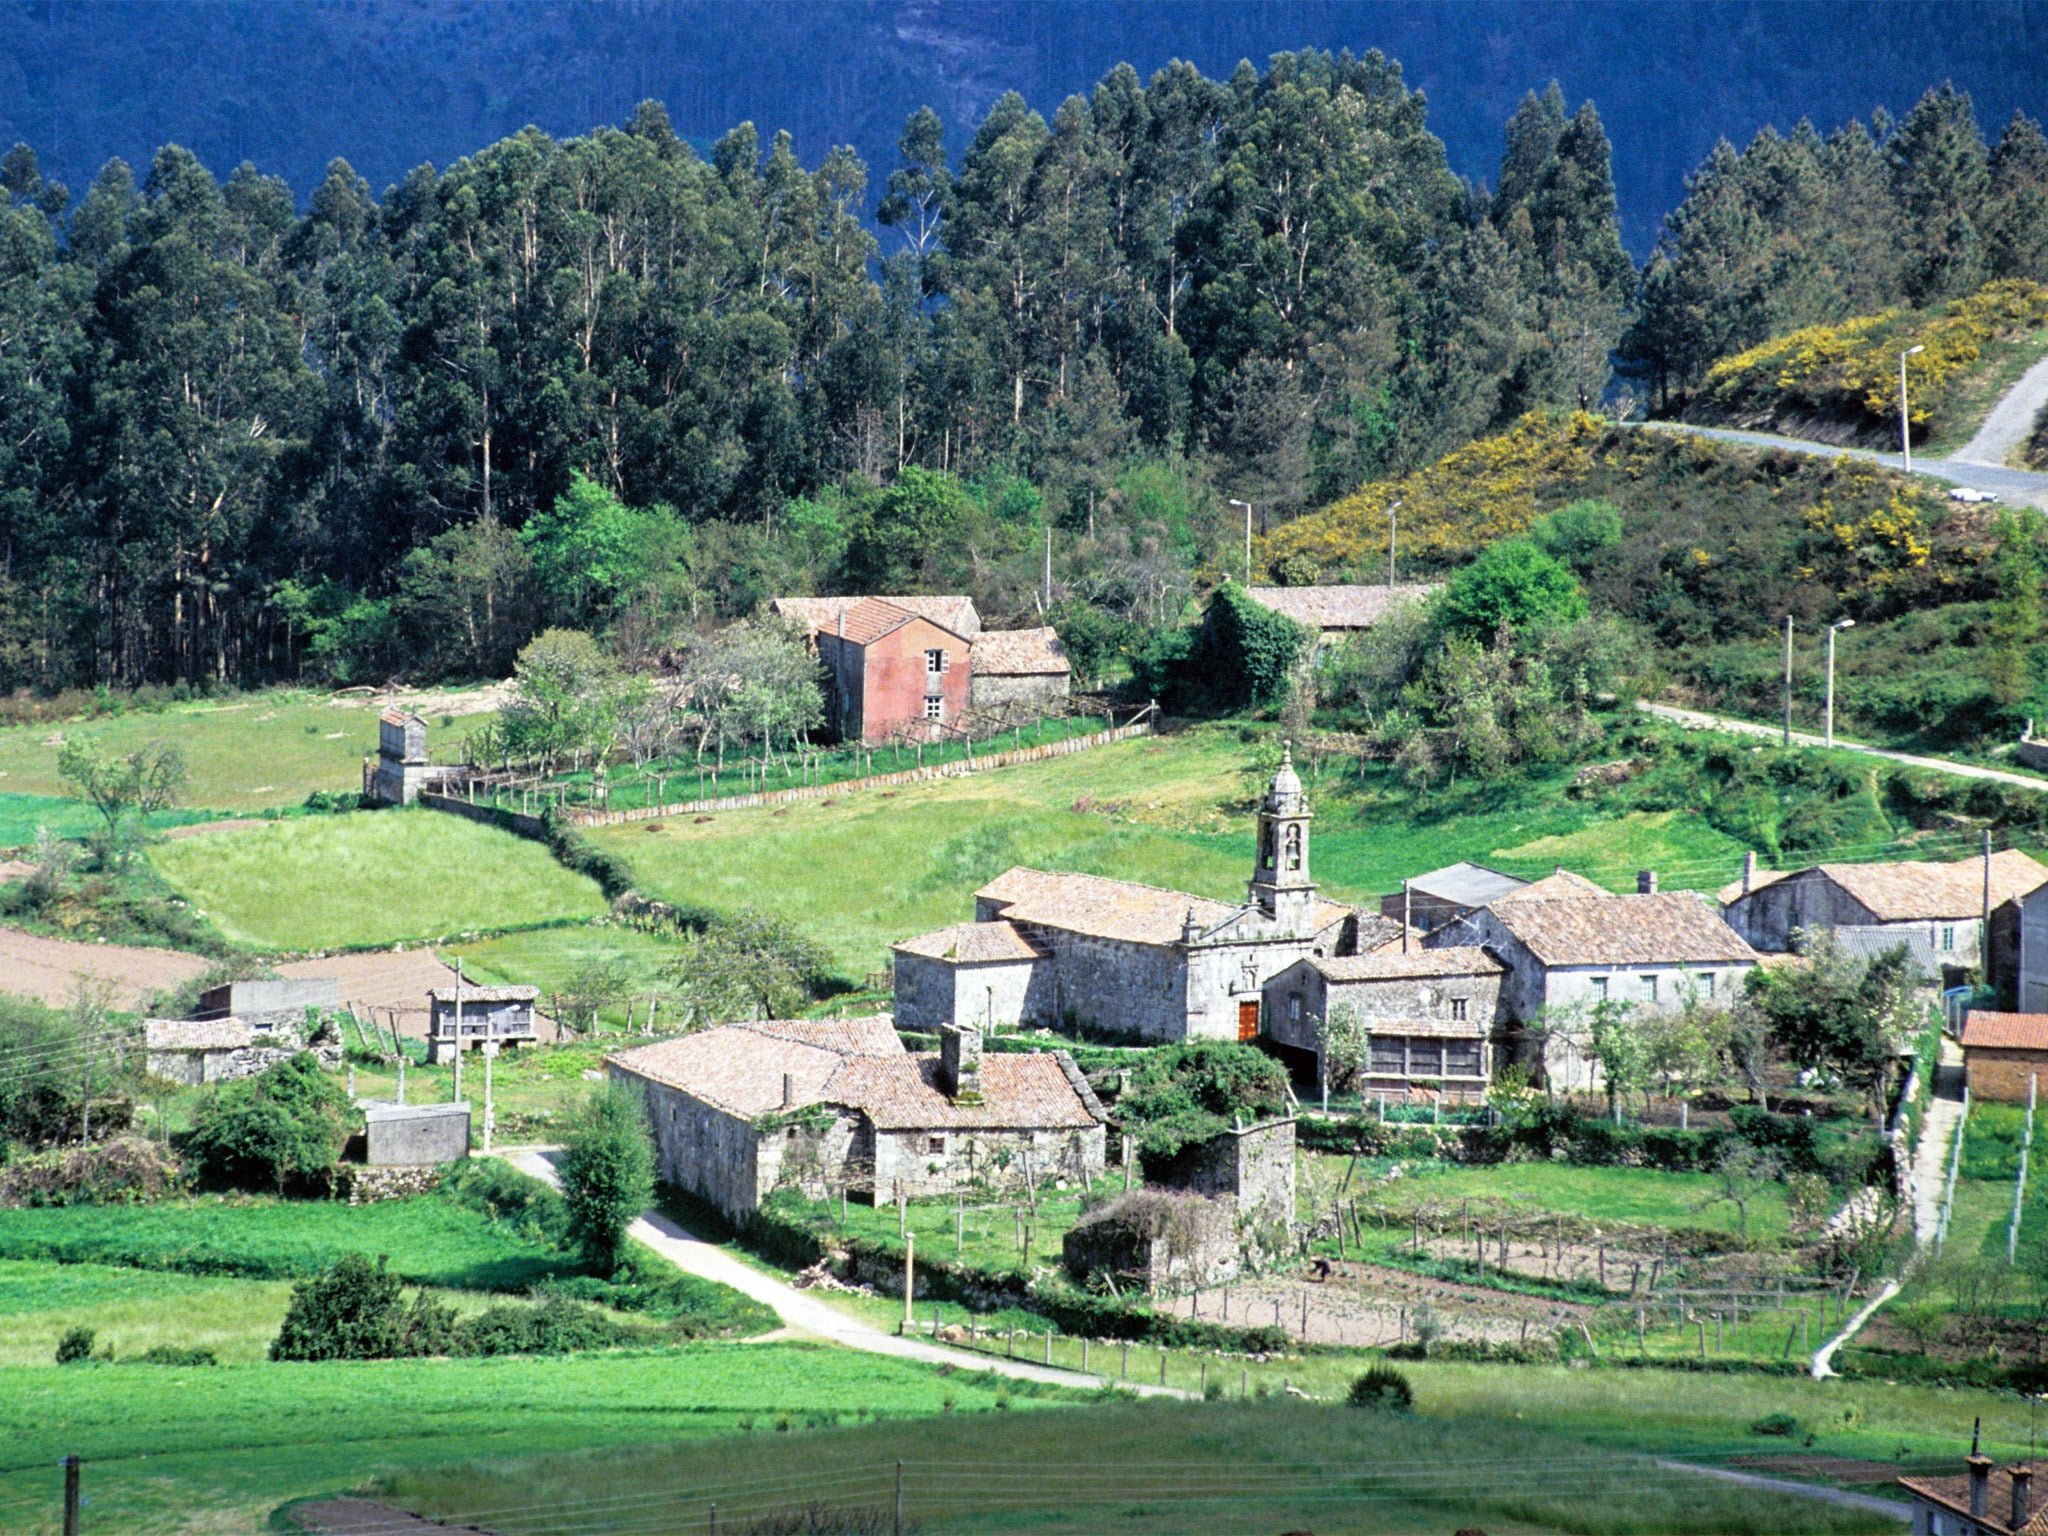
{"x": 1047, "y": 948}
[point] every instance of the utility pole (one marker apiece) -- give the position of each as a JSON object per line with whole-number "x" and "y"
{"x": 1788, "y": 679}
{"x": 490, "y": 1055}
{"x": 1984, "y": 926}
{"x": 1247, "y": 537}
{"x": 1393, "y": 524}
{"x": 1048, "y": 567}
{"x": 1833, "y": 630}
{"x": 1905, "y": 419}
{"x": 458, "y": 1031}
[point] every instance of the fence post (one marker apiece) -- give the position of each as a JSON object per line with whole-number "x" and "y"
{"x": 71, "y": 1494}
{"x": 898, "y": 1527}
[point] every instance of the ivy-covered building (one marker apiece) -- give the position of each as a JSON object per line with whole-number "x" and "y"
{"x": 831, "y": 1105}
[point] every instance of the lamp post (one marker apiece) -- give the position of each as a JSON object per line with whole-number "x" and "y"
{"x": 1247, "y": 537}
{"x": 1905, "y": 420}
{"x": 1392, "y": 524}
{"x": 1839, "y": 624}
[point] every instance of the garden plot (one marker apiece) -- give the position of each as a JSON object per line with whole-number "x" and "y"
{"x": 52, "y": 969}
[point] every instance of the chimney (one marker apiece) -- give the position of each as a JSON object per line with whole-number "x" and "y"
{"x": 960, "y": 1061}
{"x": 1980, "y": 1484}
{"x": 1748, "y": 871}
{"x": 788, "y": 1090}
{"x": 1646, "y": 882}
{"x": 2022, "y": 1496}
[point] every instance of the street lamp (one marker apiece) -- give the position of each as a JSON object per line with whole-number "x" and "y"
{"x": 1392, "y": 524}
{"x": 1906, "y": 421}
{"x": 1839, "y": 624}
{"x": 1247, "y": 537}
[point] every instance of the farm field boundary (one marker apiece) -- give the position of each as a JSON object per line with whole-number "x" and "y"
{"x": 952, "y": 770}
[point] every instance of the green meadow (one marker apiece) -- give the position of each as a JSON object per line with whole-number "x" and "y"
{"x": 371, "y": 878}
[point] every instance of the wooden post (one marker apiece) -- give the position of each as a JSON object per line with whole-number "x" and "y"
{"x": 1048, "y": 1344}
{"x": 490, "y": 1109}
{"x": 897, "y": 1528}
{"x": 1162, "y": 1365}
{"x": 71, "y": 1495}
{"x": 1084, "y": 1354}
{"x": 909, "y": 1279}
{"x": 458, "y": 1031}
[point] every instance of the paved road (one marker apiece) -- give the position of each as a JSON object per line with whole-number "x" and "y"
{"x": 2012, "y": 485}
{"x": 1699, "y": 720}
{"x": 2010, "y": 420}
{"x": 1870, "y": 1503}
{"x": 807, "y": 1314}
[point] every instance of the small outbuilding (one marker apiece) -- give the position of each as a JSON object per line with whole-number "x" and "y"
{"x": 1431, "y": 1017}
{"x": 1336, "y": 613}
{"x": 1443, "y": 895}
{"x": 414, "y": 1135}
{"x": 1018, "y": 666}
{"x": 280, "y": 999}
{"x": 2005, "y": 1055}
{"x": 469, "y": 1017}
{"x": 199, "y": 1051}
{"x": 983, "y": 974}
{"x": 403, "y": 768}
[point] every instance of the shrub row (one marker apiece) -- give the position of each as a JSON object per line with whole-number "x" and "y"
{"x": 574, "y": 851}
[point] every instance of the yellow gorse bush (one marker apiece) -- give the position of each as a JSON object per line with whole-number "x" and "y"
{"x": 1852, "y": 368}
{"x": 1484, "y": 491}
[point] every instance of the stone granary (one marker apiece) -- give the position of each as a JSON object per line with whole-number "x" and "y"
{"x": 1431, "y": 900}
{"x": 1935, "y": 910}
{"x": 198, "y": 1051}
{"x": 2005, "y": 1055}
{"x": 824, "y": 1105}
{"x": 472, "y": 1016}
{"x": 402, "y": 768}
{"x": 1432, "y": 1017}
{"x": 1569, "y": 946}
{"x": 1165, "y": 965}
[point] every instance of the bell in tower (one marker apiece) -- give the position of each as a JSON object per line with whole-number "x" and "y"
{"x": 1280, "y": 885}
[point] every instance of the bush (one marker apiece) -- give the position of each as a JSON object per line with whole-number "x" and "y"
{"x": 1382, "y": 1387}
{"x": 574, "y": 851}
{"x": 1513, "y": 584}
{"x": 557, "y": 1326}
{"x": 125, "y": 1171}
{"x": 76, "y": 1345}
{"x": 607, "y": 1174}
{"x": 531, "y": 1208}
{"x": 349, "y": 1313}
{"x": 283, "y": 1128}
{"x": 1779, "y": 1423}
{"x": 1186, "y": 1094}
{"x": 170, "y": 1354}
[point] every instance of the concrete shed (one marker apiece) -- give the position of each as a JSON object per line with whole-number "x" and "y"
{"x": 413, "y": 1135}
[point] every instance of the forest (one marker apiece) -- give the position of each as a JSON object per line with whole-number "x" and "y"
{"x": 610, "y": 383}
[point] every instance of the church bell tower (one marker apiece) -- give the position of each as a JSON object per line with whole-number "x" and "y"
{"x": 1280, "y": 884}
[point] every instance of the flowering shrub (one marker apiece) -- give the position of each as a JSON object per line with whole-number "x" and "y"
{"x": 1849, "y": 372}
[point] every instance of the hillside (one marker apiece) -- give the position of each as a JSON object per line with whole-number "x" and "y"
{"x": 1718, "y": 543}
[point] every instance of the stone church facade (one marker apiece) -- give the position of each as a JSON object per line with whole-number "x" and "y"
{"x": 1116, "y": 955}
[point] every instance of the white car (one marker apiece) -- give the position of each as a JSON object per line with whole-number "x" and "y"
{"x": 1968, "y": 493}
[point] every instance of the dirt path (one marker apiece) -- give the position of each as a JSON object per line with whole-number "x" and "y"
{"x": 1699, "y": 720}
{"x": 2010, "y": 420}
{"x": 808, "y": 1314}
{"x": 51, "y": 969}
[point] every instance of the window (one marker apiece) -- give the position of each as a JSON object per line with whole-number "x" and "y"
{"x": 1425, "y": 1058}
{"x": 934, "y": 707}
{"x": 1706, "y": 984}
{"x": 935, "y": 660}
{"x": 1649, "y": 984}
{"x": 1948, "y": 937}
{"x": 1389, "y": 1055}
{"x": 1462, "y": 1058}
{"x": 1599, "y": 985}
{"x": 1294, "y": 1006}
{"x": 1457, "y": 1010}
{"x": 936, "y": 1145}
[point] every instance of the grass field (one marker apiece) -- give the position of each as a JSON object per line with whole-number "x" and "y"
{"x": 1216, "y": 1467}
{"x": 174, "y": 1449}
{"x": 245, "y": 753}
{"x": 553, "y": 958}
{"x": 1172, "y": 811}
{"x": 430, "y": 1241}
{"x": 21, "y": 815}
{"x": 374, "y": 877}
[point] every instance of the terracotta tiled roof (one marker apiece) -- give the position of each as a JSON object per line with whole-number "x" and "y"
{"x": 1562, "y": 883}
{"x": 736, "y": 1070}
{"x": 2008, "y": 1032}
{"x": 822, "y": 613}
{"x": 1675, "y": 928}
{"x": 1113, "y": 909}
{"x": 396, "y": 716}
{"x": 1387, "y": 941}
{"x": 974, "y": 943}
{"x": 1452, "y": 960}
{"x": 1916, "y": 891}
{"x": 196, "y": 1034}
{"x": 1016, "y": 1090}
{"x": 1019, "y": 652}
{"x": 1733, "y": 890}
{"x": 871, "y": 1035}
{"x": 1953, "y": 1494}
{"x": 486, "y": 994}
{"x": 1337, "y": 607}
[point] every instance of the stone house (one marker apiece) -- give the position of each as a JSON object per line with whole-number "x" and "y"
{"x": 199, "y": 1051}
{"x": 402, "y": 768}
{"x": 1160, "y": 964}
{"x": 1985, "y": 1500}
{"x": 2003, "y": 1055}
{"x": 1568, "y": 952}
{"x": 1935, "y": 910}
{"x": 827, "y": 1105}
{"x": 1431, "y": 900}
{"x": 1337, "y": 613}
{"x": 1018, "y": 666}
{"x": 1432, "y": 1017}
{"x": 468, "y": 1017}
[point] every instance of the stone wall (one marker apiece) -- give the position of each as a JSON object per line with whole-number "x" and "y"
{"x": 1254, "y": 1164}
{"x": 929, "y": 1162}
{"x": 702, "y": 1149}
{"x": 1156, "y": 1240}
{"x": 990, "y": 690}
{"x": 990, "y": 995}
{"x": 1115, "y": 984}
{"x": 361, "y": 1185}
